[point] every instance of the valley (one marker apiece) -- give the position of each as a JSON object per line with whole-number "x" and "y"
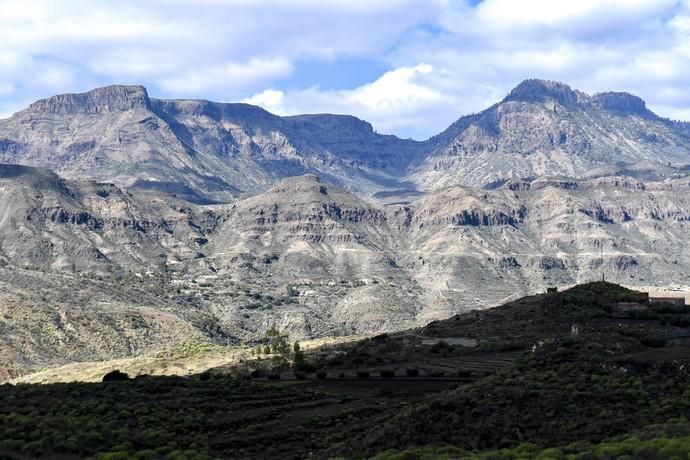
{"x": 131, "y": 224}
{"x": 308, "y": 258}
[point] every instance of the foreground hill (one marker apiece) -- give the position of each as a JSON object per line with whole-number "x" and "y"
{"x": 564, "y": 371}
{"x": 594, "y": 368}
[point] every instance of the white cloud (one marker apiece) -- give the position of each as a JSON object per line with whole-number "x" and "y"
{"x": 215, "y": 49}
{"x": 398, "y": 91}
{"x": 6, "y": 88}
{"x": 448, "y": 57}
{"x": 401, "y": 100}
{"x": 481, "y": 52}
{"x": 227, "y": 76}
{"x": 531, "y": 13}
{"x": 271, "y": 99}
{"x": 672, "y": 112}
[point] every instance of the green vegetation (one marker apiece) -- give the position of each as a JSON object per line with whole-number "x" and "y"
{"x": 298, "y": 360}
{"x": 277, "y": 342}
{"x": 628, "y": 448}
{"x": 115, "y": 376}
{"x": 172, "y": 417}
{"x": 566, "y": 391}
{"x": 559, "y": 376}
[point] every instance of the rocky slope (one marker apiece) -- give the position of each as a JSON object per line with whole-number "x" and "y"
{"x": 50, "y": 223}
{"x": 85, "y": 270}
{"x": 332, "y": 253}
{"x": 311, "y": 258}
{"x": 547, "y": 128}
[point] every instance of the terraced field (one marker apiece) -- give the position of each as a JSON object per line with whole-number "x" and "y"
{"x": 198, "y": 418}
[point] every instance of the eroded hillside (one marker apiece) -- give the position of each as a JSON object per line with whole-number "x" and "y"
{"x": 310, "y": 258}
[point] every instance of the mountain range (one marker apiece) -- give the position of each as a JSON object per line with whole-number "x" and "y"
{"x": 211, "y": 151}
{"x": 130, "y": 222}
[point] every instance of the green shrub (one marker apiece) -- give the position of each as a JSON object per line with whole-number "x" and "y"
{"x": 114, "y": 456}
{"x": 146, "y": 455}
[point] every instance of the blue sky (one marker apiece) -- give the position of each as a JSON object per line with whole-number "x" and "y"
{"x": 410, "y": 67}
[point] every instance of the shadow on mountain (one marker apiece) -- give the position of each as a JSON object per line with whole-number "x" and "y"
{"x": 175, "y": 189}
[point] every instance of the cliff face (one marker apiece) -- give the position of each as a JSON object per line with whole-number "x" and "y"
{"x": 52, "y": 223}
{"x": 117, "y": 98}
{"x": 204, "y": 151}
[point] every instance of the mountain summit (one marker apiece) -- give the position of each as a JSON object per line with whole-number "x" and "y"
{"x": 116, "y": 98}
{"x": 546, "y": 128}
{"x": 623, "y": 102}
{"x": 539, "y": 91}
{"x": 542, "y": 91}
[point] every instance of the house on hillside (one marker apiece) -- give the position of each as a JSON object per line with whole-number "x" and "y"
{"x": 639, "y": 302}
{"x": 673, "y": 300}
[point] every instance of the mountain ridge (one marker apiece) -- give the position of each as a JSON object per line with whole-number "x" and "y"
{"x": 222, "y": 150}
{"x": 119, "y": 97}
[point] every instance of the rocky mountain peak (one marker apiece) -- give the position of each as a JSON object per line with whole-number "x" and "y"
{"x": 534, "y": 90}
{"x": 621, "y": 102}
{"x": 115, "y": 98}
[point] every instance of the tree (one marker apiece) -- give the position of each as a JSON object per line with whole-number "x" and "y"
{"x": 277, "y": 342}
{"x": 115, "y": 375}
{"x": 298, "y": 360}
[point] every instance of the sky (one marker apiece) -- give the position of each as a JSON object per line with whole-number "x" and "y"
{"x": 409, "y": 67}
